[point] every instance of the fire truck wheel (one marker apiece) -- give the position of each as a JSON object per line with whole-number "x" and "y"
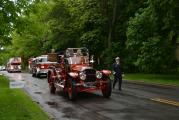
{"x": 107, "y": 89}
{"x": 38, "y": 75}
{"x": 33, "y": 75}
{"x": 52, "y": 88}
{"x": 71, "y": 89}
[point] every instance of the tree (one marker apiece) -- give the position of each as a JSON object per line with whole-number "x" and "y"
{"x": 9, "y": 14}
{"x": 138, "y": 31}
{"x": 30, "y": 38}
{"x": 150, "y": 34}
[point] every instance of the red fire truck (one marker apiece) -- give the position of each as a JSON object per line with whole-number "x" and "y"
{"x": 14, "y": 65}
{"x": 75, "y": 73}
{"x": 40, "y": 66}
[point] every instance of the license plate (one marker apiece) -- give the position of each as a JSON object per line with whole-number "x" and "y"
{"x": 89, "y": 84}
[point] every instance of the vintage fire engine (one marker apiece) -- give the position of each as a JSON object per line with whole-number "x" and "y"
{"x": 40, "y": 66}
{"x": 14, "y": 65}
{"x": 74, "y": 73}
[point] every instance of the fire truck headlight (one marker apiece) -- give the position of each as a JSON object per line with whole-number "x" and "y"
{"x": 42, "y": 66}
{"x": 99, "y": 75}
{"x": 82, "y": 75}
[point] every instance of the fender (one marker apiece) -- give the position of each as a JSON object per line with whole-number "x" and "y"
{"x": 73, "y": 74}
{"x": 106, "y": 72}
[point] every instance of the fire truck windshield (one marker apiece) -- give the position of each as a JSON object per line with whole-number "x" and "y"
{"x": 42, "y": 59}
{"x": 78, "y": 60}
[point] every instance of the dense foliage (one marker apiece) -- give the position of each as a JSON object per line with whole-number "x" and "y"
{"x": 143, "y": 33}
{"x": 152, "y": 35}
{"x": 9, "y": 12}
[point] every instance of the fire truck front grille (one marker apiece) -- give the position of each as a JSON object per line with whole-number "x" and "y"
{"x": 90, "y": 75}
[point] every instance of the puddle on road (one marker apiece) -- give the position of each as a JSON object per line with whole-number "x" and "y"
{"x": 52, "y": 104}
{"x": 18, "y": 76}
{"x": 69, "y": 113}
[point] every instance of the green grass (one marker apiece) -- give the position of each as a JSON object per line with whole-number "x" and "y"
{"x": 15, "y": 104}
{"x": 153, "y": 78}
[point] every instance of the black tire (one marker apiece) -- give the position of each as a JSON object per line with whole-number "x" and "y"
{"x": 33, "y": 75}
{"x": 51, "y": 85}
{"x": 38, "y": 75}
{"x": 72, "y": 93}
{"x": 48, "y": 77}
{"x": 106, "y": 91}
{"x": 52, "y": 88}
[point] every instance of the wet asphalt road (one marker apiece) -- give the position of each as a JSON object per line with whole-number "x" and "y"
{"x": 134, "y": 102}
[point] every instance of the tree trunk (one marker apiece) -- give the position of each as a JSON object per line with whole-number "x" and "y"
{"x": 104, "y": 7}
{"x": 112, "y": 24}
{"x": 104, "y": 11}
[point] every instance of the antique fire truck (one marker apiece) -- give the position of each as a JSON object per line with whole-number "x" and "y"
{"x": 74, "y": 73}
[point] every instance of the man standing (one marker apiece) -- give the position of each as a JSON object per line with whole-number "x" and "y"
{"x": 117, "y": 72}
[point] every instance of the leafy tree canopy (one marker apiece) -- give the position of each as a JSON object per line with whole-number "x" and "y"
{"x": 10, "y": 10}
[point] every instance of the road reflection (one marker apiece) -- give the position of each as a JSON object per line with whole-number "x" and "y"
{"x": 18, "y": 76}
{"x": 17, "y": 80}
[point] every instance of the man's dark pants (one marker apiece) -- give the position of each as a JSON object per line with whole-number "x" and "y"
{"x": 119, "y": 80}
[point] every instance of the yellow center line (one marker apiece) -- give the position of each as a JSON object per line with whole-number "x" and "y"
{"x": 165, "y": 101}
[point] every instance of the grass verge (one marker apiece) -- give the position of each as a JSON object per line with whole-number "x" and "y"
{"x": 154, "y": 78}
{"x": 15, "y": 104}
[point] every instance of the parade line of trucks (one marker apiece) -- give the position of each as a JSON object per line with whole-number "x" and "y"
{"x": 71, "y": 71}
